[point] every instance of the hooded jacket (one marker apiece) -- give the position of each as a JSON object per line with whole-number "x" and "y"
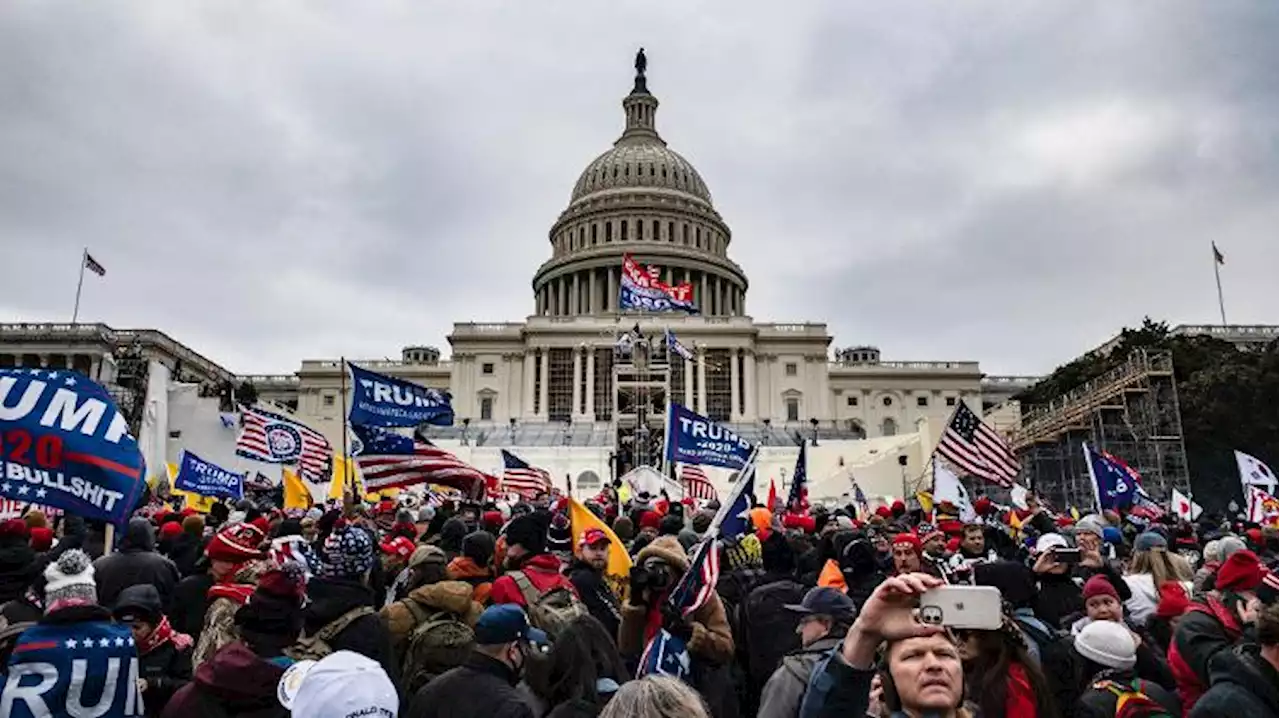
{"x": 165, "y": 667}
{"x": 18, "y": 567}
{"x": 711, "y": 638}
{"x": 366, "y": 635}
{"x": 480, "y": 578}
{"x": 451, "y": 596}
{"x": 235, "y": 682}
{"x": 1243, "y": 683}
{"x": 487, "y": 684}
{"x": 543, "y": 571}
{"x": 135, "y": 563}
{"x": 599, "y": 599}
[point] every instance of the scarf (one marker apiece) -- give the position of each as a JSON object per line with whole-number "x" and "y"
{"x": 237, "y": 592}
{"x": 162, "y": 634}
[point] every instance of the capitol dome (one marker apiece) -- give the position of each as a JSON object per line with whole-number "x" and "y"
{"x": 643, "y": 198}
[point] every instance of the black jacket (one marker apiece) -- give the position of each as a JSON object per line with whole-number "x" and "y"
{"x": 166, "y": 669}
{"x": 189, "y": 604}
{"x": 487, "y": 683}
{"x": 185, "y": 551}
{"x": 596, "y": 595}
{"x": 768, "y": 628}
{"x": 367, "y": 635}
{"x": 1101, "y": 703}
{"x": 135, "y": 563}
{"x": 18, "y": 567}
{"x": 1243, "y": 684}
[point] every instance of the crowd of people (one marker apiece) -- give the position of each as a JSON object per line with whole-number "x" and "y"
{"x": 500, "y": 611}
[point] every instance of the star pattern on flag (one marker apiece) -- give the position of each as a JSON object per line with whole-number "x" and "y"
{"x": 41, "y": 492}
{"x": 103, "y": 642}
{"x": 22, "y": 490}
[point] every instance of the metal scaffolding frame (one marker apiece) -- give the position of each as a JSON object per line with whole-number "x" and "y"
{"x": 1130, "y": 411}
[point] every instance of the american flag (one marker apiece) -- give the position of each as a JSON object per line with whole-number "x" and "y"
{"x": 388, "y": 459}
{"x": 798, "y": 500}
{"x": 977, "y": 449}
{"x": 520, "y": 477}
{"x": 699, "y": 583}
{"x": 696, "y": 484}
{"x": 275, "y": 439}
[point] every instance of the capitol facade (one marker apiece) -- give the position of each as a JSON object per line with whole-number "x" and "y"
{"x": 553, "y": 383}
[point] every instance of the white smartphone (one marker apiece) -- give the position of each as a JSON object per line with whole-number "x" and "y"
{"x": 970, "y": 607}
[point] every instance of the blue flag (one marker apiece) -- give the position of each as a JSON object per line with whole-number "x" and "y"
{"x": 695, "y": 439}
{"x": 1114, "y": 483}
{"x": 381, "y": 400}
{"x": 666, "y": 655}
{"x": 201, "y": 477}
{"x": 737, "y": 508}
{"x": 86, "y": 668}
{"x": 674, "y": 346}
{"x": 64, "y": 443}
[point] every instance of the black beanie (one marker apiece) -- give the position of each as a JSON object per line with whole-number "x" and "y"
{"x": 528, "y": 532}
{"x": 478, "y": 546}
{"x": 670, "y": 525}
{"x": 1016, "y": 582}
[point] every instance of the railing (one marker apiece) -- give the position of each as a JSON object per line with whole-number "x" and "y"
{"x": 489, "y": 327}
{"x": 1260, "y": 331}
{"x": 956, "y": 366}
{"x": 1011, "y": 381}
{"x": 336, "y": 364}
{"x": 268, "y": 378}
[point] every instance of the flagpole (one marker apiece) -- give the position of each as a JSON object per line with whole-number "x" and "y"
{"x": 1217, "y": 277}
{"x": 346, "y": 470}
{"x": 75, "y": 313}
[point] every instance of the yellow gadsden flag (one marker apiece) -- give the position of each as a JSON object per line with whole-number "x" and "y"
{"x": 344, "y": 472}
{"x": 618, "y": 571}
{"x": 297, "y": 495}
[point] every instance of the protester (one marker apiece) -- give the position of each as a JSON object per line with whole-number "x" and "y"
{"x": 504, "y": 641}
{"x": 587, "y": 575}
{"x": 1000, "y": 675}
{"x": 581, "y": 673}
{"x": 533, "y": 575}
{"x": 136, "y": 562}
{"x": 1150, "y": 566}
{"x": 825, "y": 616}
{"x": 18, "y": 567}
{"x": 242, "y": 678}
{"x": 343, "y": 684}
{"x": 1243, "y": 681}
{"x": 475, "y": 565}
{"x": 768, "y": 626}
{"x": 1108, "y": 653}
{"x": 228, "y": 550}
{"x": 655, "y": 697}
{"x": 445, "y": 606}
{"x": 164, "y": 655}
{"x": 906, "y": 553}
{"x": 341, "y": 608}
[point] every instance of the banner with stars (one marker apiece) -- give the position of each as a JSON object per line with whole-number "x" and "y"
{"x": 64, "y": 443}
{"x": 88, "y": 668}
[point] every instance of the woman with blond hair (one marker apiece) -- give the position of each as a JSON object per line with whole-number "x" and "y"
{"x": 655, "y": 696}
{"x": 1150, "y": 567}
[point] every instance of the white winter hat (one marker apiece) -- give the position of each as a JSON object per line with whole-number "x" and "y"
{"x": 341, "y": 684}
{"x": 70, "y": 578}
{"x": 1049, "y": 542}
{"x": 1107, "y": 643}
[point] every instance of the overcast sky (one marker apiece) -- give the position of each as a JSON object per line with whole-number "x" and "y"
{"x": 1003, "y": 182}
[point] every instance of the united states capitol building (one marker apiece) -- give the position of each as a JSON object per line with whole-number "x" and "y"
{"x": 555, "y": 389}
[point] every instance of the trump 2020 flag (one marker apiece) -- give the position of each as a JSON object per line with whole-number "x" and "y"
{"x": 1114, "y": 484}
{"x": 694, "y": 439}
{"x": 666, "y": 655}
{"x": 381, "y": 400}
{"x": 198, "y": 476}
{"x": 85, "y": 668}
{"x": 66, "y": 445}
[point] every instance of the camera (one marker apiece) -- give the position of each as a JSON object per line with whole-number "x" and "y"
{"x": 654, "y": 578}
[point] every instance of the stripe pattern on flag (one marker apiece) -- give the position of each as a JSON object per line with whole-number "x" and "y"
{"x": 520, "y": 477}
{"x": 699, "y": 583}
{"x": 977, "y": 449}
{"x": 696, "y": 484}
{"x": 275, "y": 439}
{"x": 389, "y": 460}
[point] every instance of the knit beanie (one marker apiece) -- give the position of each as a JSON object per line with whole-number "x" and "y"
{"x": 171, "y": 530}
{"x": 69, "y": 580}
{"x": 1241, "y": 571}
{"x": 236, "y": 543}
{"x": 1016, "y": 582}
{"x": 41, "y": 539}
{"x": 1107, "y": 643}
{"x": 1173, "y": 600}
{"x": 1098, "y": 585}
{"x": 560, "y": 535}
{"x": 625, "y": 530}
{"x": 906, "y": 539}
{"x": 702, "y": 522}
{"x": 670, "y": 525}
{"x": 348, "y": 553}
{"x": 1228, "y": 545}
{"x": 275, "y": 606}
{"x": 1149, "y": 540}
{"x": 478, "y": 546}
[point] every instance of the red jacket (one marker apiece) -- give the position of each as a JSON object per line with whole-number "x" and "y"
{"x": 543, "y": 571}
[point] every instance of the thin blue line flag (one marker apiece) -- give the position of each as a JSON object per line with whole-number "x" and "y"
{"x": 694, "y": 439}
{"x": 201, "y": 477}
{"x": 381, "y": 400}
{"x": 65, "y": 444}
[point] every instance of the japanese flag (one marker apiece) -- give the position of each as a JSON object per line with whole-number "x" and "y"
{"x": 1184, "y": 508}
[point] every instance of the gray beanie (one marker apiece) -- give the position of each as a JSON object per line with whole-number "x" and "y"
{"x": 1228, "y": 545}
{"x": 1149, "y": 540}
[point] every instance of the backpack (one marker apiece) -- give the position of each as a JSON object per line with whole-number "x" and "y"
{"x": 313, "y": 648}
{"x": 438, "y": 642}
{"x": 769, "y": 629}
{"x": 1132, "y": 700}
{"x": 551, "y": 611}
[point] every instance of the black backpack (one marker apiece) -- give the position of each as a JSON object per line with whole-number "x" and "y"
{"x": 769, "y": 629}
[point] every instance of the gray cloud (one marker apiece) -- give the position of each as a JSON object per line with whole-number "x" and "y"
{"x": 268, "y": 183}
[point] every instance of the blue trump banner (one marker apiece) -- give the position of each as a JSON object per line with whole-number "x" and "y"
{"x": 1114, "y": 484}
{"x": 695, "y": 439}
{"x": 201, "y": 477}
{"x": 73, "y": 669}
{"x": 381, "y": 400}
{"x": 64, "y": 443}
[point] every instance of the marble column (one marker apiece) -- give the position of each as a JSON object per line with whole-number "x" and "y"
{"x": 734, "y": 395}
{"x": 688, "y": 383}
{"x": 575, "y": 303}
{"x": 591, "y": 384}
{"x": 527, "y": 396}
{"x": 704, "y": 302}
{"x": 577, "y": 381}
{"x": 611, "y": 299}
{"x": 592, "y": 294}
{"x": 749, "y": 381}
{"x": 702, "y": 380}
{"x": 542, "y": 389}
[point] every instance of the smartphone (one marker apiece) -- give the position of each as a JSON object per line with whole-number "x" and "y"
{"x": 1066, "y": 555}
{"x": 969, "y": 607}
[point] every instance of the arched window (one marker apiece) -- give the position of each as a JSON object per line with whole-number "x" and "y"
{"x": 588, "y": 480}
{"x": 888, "y": 427}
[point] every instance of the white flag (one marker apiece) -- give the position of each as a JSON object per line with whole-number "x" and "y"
{"x": 1262, "y": 507}
{"x": 947, "y": 487}
{"x": 1184, "y": 507}
{"x": 1018, "y": 495}
{"x": 1255, "y": 473}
